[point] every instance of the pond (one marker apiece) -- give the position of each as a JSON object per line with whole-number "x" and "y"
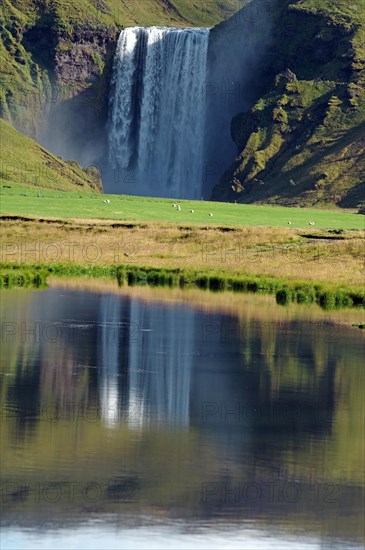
{"x": 159, "y": 418}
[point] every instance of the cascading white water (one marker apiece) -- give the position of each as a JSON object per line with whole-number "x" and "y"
{"x": 157, "y": 114}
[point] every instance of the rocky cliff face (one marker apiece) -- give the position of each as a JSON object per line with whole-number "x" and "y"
{"x": 234, "y": 80}
{"x": 80, "y": 59}
{"x": 76, "y": 121}
{"x": 302, "y": 142}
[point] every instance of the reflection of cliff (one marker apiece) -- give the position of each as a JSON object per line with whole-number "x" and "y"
{"x": 57, "y": 378}
{"x": 291, "y": 368}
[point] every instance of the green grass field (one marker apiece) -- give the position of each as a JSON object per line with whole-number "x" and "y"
{"x": 59, "y": 204}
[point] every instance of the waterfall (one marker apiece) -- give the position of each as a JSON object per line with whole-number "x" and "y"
{"x": 157, "y": 111}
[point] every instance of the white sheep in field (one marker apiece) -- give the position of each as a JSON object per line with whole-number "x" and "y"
{"x": 289, "y": 223}
{"x": 210, "y": 214}
{"x": 191, "y": 211}
{"x": 311, "y": 223}
{"x": 179, "y": 208}
{"x": 174, "y": 205}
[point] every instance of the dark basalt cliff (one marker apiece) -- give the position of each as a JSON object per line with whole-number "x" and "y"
{"x": 43, "y": 63}
{"x": 74, "y": 110}
{"x": 81, "y": 59}
{"x": 235, "y": 80}
{"x": 54, "y": 79}
{"x": 302, "y": 141}
{"x": 76, "y": 120}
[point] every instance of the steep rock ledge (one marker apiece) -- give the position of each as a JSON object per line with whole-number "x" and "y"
{"x": 80, "y": 60}
{"x": 302, "y": 142}
{"x": 235, "y": 80}
{"x": 76, "y": 120}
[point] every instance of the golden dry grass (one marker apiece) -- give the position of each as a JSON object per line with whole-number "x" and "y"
{"x": 291, "y": 254}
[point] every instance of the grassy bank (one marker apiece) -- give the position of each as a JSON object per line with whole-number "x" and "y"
{"x": 241, "y": 248}
{"x": 327, "y": 296}
{"x": 292, "y": 254}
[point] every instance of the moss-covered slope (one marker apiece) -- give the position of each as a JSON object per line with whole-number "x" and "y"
{"x": 25, "y": 162}
{"x": 303, "y": 142}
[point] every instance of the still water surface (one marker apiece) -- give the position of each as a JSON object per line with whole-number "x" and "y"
{"x": 144, "y": 418}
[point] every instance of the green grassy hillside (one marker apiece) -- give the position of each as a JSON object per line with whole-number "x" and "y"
{"x": 303, "y": 142}
{"x": 25, "y": 162}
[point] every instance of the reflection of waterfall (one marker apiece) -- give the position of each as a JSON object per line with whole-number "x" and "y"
{"x": 157, "y": 113}
{"x": 109, "y": 358}
{"x": 161, "y": 365}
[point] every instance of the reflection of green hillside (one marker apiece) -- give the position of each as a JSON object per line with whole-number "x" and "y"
{"x": 16, "y": 355}
{"x": 111, "y": 459}
{"x": 165, "y": 471}
{"x": 328, "y": 401}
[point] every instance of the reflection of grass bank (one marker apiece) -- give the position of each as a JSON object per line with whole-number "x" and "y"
{"x": 22, "y": 277}
{"x": 326, "y": 295}
{"x": 246, "y": 306}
